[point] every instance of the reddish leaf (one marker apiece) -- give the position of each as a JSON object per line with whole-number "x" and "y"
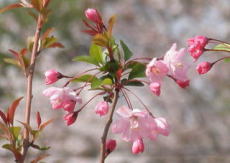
{"x": 11, "y": 110}
{"x": 41, "y": 127}
{"x": 12, "y": 6}
{"x": 3, "y": 116}
{"x": 23, "y": 51}
{"x": 6, "y": 132}
{"x": 56, "y": 45}
{"x": 47, "y": 33}
{"x": 39, "y": 158}
{"x": 39, "y": 120}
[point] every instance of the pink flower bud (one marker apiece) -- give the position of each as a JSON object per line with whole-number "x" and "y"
{"x": 110, "y": 146}
{"x": 138, "y": 146}
{"x": 196, "y": 46}
{"x": 51, "y": 76}
{"x": 155, "y": 88}
{"x": 102, "y": 108}
{"x": 183, "y": 84}
{"x": 93, "y": 15}
{"x": 203, "y": 67}
{"x": 70, "y": 118}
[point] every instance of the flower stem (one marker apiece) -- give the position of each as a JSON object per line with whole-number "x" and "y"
{"x": 106, "y": 129}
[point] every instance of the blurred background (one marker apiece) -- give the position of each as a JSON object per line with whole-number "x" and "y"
{"x": 199, "y": 115}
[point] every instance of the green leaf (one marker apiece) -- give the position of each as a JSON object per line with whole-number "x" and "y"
{"x": 107, "y": 81}
{"x": 11, "y": 61}
{"x": 223, "y": 46}
{"x": 133, "y": 83}
{"x": 15, "y": 131}
{"x": 138, "y": 71}
{"x": 40, "y": 148}
{"x": 85, "y": 78}
{"x": 127, "y": 53}
{"x": 87, "y": 59}
{"x": 96, "y": 83}
{"x": 227, "y": 59}
{"x": 96, "y": 53}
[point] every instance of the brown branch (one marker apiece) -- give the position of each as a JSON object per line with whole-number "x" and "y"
{"x": 29, "y": 95}
{"x": 106, "y": 129}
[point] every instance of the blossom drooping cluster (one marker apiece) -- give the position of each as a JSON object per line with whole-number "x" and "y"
{"x": 173, "y": 65}
{"x": 135, "y": 125}
{"x": 63, "y": 98}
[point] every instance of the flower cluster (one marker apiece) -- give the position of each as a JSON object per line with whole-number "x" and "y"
{"x": 135, "y": 125}
{"x": 173, "y": 65}
{"x": 64, "y": 98}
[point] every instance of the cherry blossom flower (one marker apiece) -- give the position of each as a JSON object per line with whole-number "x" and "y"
{"x": 51, "y": 76}
{"x": 102, "y": 108}
{"x": 64, "y": 98}
{"x": 135, "y": 124}
{"x": 70, "y": 118}
{"x": 138, "y": 146}
{"x": 178, "y": 67}
{"x": 156, "y": 70}
{"x": 203, "y": 67}
{"x": 196, "y": 46}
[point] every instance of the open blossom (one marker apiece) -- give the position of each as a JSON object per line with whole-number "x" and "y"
{"x": 102, "y": 108}
{"x": 177, "y": 65}
{"x": 196, "y": 46}
{"x": 156, "y": 70}
{"x": 135, "y": 124}
{"x": 51, "y": 76}
{"x": 70, "y": 118}
{"x": 138, "y": 146}
{"x": 203, "y": 67}
{"x": 93, "y": 15}
{"x": 64, "y": 98}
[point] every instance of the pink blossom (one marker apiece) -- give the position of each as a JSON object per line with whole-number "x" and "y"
{"x": 196, "y": 46}
{"x": 183, "y": 84}
{"x": 64, "y": 98}
{"x": 93, "y": 15}
{"x": 135, "y": 124}
{"x": 175, "y": 60}
{"x": 51, "y": 76}
{"x": 162, "y": 126}
{"x": 102, "y": 108}
{"x": 138, "y": 146}
{"x": 70, "y": 118}
{"x": 110, "y": 145}
{"x": 156, "y": 70}
{"x": 203, "y": 67}
{"x": 155, "y": 88}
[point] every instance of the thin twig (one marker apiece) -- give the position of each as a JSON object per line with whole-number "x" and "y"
{"x": 106, "y": 129}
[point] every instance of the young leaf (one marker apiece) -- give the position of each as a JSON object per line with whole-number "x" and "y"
{"x": 84, "y": 78}
{"x": 39, "y": 158}
{"x": 101, "y": 40}
{"x": 87, "y": 59}
{"x": 42, "y": 126}
{"x": 11, "y": 61}
{"x": 5, "y": 130}
{"x": 133, "y": 83}
{"x": 9, "y": 7}
{"x": 15, "y": 131}
{"x": 38, "y": 118}
{"x": 3, "y": 116}
{"x": 107, "y": 81}
{"x": 127, "y": 53}
{"x": 12, "y": 109}
{"x": 138, "y": 71}
{"x": 223, "y": 46}
{"x": 112, "y": 21}
{"x": 96, "y": 53}
{"x": 96, "y": 83}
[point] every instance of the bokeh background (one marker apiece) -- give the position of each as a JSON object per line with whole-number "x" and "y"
{"x": 199, "y": 115}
